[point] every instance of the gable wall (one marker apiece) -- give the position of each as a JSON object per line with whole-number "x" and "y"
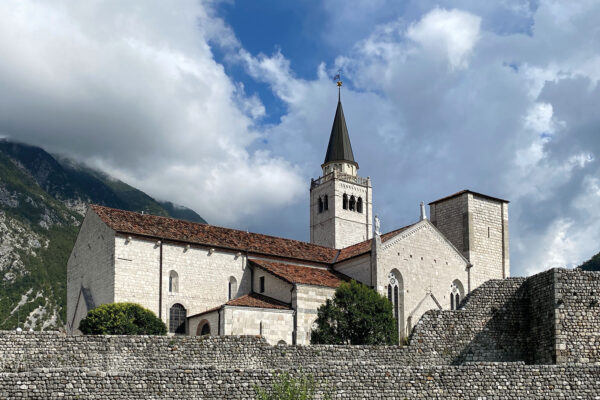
{"x": 91, "y": 266}
{"x": 427, "y": 264}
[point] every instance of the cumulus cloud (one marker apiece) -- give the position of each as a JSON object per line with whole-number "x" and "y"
{"x": 452, "y": 33}
{"x": 134, "y": 89}
{"x": 497, "y": 116}
{"x": 498, "y": 97}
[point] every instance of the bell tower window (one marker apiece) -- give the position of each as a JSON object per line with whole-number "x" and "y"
{"x": 345, "y": 201}
{"x": 320, "y": 205}
{"x": 352, "y": 203}
{"x": 359, "y": 205}
{"x": 325, "y": 203}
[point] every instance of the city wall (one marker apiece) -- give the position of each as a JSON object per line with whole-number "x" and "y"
{"x": 513, "y": 338}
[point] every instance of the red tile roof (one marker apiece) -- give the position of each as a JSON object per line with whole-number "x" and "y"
{"x": 299, "y": 274}
{"x": 190, "y": 232}
{"x": 250, "y": 300}
{"x": 468, "y": 191}
{"x": 130, "y": 222}
{"x": 365, "y": 247}
{"x": 258, "y": 301}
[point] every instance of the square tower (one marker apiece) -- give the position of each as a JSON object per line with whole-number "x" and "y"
{"x": 477, "y": 225}
{"x": 341, "y": 210}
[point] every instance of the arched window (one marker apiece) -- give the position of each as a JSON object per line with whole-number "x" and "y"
{"x": 232, "y": 288}
{"x": 325, "y": 203}
{"x": 457, "y": 292}
{"x": 359, "y": 205}
{"x": 177, "y": 319}
{"x": 345, "y": 201}
{"x": 320, "y": 205}
{"x": 203, "y": 328}
{"x": 281, "y": 343}
{"x": 352, "y": 203}
{"x": 173, "y": 282}
{"x": 396, "y": 296}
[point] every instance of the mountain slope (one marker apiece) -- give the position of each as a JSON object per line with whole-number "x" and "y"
{"x": 42, "y": 201}
{"x": 593, "y": 264}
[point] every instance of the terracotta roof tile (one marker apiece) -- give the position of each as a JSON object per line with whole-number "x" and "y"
{"x": 365, "y": 247}
{"x": 258, "y": 301}
{"x": 190, "y": 232}
{"x": 250, "y": 300}
{"x": 300, "y": 274}
{"x": 209, "y": 235}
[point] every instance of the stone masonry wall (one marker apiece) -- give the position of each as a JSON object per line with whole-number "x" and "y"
{"x": 541, "y": 318}
{"x": 203, "y": 275}
{"x": 47, "y": 365}
{"x": 577, "y": 316}
{"x": 306, "y": 299}
{"x": 487, "y": 239}
{"x": 354, "y": 381}
{"x": 483, "y": 350}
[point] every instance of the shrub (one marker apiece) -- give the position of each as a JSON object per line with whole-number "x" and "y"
{"x": 122, "y": 319}
{"x": 356, "y": 314}
{"x": 287, "y": 387}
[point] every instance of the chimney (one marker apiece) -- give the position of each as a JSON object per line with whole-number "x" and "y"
{"x": 423, "y": 213}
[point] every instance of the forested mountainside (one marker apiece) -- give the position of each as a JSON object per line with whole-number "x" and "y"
{"x": 593, "y": 264}
{"x": 42, "y": 202}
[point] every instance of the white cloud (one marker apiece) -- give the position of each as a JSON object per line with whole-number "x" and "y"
{"x": 498, "y": 97}
{"x": 422, "y": 128}
{"x": 452, "y": 33}
{"x": 133, "y": 87}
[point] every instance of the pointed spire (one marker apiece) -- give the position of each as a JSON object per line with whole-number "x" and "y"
{"x": 339, "y": 148}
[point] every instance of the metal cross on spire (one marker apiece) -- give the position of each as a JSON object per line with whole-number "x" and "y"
{"x": 338, "y": 78}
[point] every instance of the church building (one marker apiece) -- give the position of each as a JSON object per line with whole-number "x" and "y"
{"x": 207, "y": 280}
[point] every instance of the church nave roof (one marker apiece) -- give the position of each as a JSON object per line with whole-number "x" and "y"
{"x": 167, "y": 228}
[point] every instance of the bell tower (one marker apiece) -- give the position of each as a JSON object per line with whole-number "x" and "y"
{"x": 341, "y": 210}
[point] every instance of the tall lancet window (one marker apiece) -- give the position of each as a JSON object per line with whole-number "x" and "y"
{"x": 359, "y": 205}
{"x": 320, "y": 205}
{"x": 345, "y": 201}
{"x": 396, "y": 296}
{"x": 352, "y": 203}
{"x": 325, "y": 203}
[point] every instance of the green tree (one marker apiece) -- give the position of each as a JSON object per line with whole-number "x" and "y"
{"x": 356, "y": 314}
{"x": 122, "y": 319}
{"x": 287, "y": 387}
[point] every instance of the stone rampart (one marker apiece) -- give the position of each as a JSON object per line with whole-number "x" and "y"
{"x": 515, "y": 338}
{"x": 482, "y": 381}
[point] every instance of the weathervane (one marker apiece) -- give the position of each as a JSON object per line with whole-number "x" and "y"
{"x": 338, "y": 78}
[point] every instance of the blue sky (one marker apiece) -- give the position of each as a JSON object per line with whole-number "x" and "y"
{"x": 226, "y": 106}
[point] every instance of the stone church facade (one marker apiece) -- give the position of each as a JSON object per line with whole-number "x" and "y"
{"x": 208, "y": 280}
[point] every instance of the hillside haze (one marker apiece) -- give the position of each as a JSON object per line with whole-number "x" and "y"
{"x": 43, "y": 199}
